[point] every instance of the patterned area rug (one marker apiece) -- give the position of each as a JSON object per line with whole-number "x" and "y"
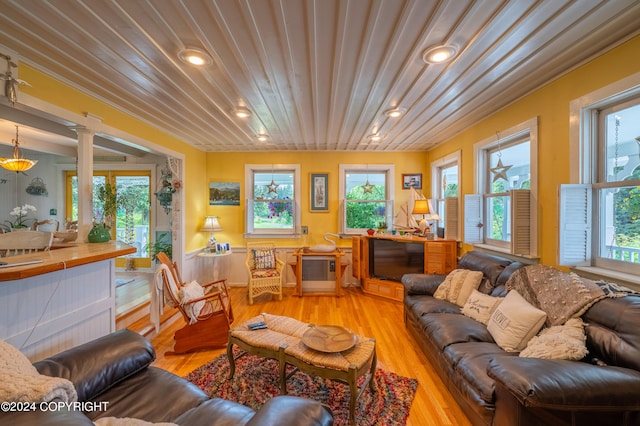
{"x": 256, "y": 380}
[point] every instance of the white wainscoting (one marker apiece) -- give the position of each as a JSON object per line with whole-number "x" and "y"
{"x": 232, "y": 267}
{"x": 49, "y": 313}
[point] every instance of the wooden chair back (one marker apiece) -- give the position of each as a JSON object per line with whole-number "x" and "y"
{"x": 48, "y": 225}
{"x": 23, "y": 242}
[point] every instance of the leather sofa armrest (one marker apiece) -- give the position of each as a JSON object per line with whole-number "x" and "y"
{"x": 421, "y": 283}
{"x": 97, "y": 365}
{"x": 292, "y": 411}
{"x": 567, "y": 385}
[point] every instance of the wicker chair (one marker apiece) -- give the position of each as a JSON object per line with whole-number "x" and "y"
{"x": 265, "y": 270}
{"x": 208, "y": 317}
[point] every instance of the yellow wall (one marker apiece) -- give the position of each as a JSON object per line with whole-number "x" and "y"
{"x": 229, "y": 167}
{"x": 52, "y": 91}
{"x": 551, "y": 105}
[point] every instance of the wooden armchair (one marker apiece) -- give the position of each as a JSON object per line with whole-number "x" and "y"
{"x": 205, "y": 308}
{"x": 23, "y": 242}
{"x": 265, "y": 270}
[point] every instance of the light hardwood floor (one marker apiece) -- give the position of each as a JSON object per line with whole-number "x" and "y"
{"x": 363, "y": 314}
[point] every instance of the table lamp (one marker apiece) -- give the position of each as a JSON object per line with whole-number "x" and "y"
{"x": 422, "y": 207}
{"x": 211, "y": 225}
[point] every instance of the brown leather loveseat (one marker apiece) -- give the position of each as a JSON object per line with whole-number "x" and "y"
{"x": 495, "y": 387}
{"x": 114, "y": 374}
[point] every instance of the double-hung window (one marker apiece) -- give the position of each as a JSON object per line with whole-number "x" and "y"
{"x": 501, "y": 216}
{"x": 445, "y": 178}
{"x": 366, "y": 194}
{"x": 273, "y": 194}
{"x": 600, "y": 215}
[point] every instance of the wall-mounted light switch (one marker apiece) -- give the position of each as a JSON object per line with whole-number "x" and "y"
{"x": 305, "y": 230}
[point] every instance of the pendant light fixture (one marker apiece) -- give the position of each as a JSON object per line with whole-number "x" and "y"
{"x": 17, "y": 164}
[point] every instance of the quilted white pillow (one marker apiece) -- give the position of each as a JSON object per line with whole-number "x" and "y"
{"x": 188, "y": 292}
{"x": 458, "y": 285}
{"x": 567, "y": 341}
{"x": 480, "y": 306}
{"x": 515, "y": 322}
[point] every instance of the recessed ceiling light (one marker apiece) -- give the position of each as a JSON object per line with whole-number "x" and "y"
{"x": 193, "y": 56}
{"x": 374, "y": 137}
{"x": 242, "y": 112}
{"x": 262, "y": 137}
{"x": 395, "y": 113}
{"x": 439, "y": 54}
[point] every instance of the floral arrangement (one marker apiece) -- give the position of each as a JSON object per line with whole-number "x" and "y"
{"x": 21, "y": 216}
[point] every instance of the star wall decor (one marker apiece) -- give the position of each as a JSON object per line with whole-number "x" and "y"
{"x": 499, "y": 171}
{"x": 273, "y": 187}
{"x": 367, "y": 188}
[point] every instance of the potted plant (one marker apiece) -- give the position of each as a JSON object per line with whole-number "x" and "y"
{"x": 160, "y": 246}
{"x": 21, "y": 214}
{"x": 106, "y": 203}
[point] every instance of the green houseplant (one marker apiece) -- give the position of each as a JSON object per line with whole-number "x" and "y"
{"x": 160, "y": 245}
{"x": 106, "y": 205}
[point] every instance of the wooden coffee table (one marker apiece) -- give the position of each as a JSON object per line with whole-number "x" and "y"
{"x": 330, "y": 352}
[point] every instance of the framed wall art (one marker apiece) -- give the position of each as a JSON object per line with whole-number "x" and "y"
{"x": 224, "y": 193}
{"x": 413, "y": 180}
{"x": 319, "y": 192}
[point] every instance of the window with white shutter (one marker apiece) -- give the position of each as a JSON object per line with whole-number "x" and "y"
{"x": 502, "y": 215}
{"x": 599, "y": 217}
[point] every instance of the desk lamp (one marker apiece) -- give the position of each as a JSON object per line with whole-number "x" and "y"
{"x": 422, "y": 207}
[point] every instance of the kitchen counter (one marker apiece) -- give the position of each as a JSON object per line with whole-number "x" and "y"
{"x": 65, "y": 256}
{"x": 64, "y": 300}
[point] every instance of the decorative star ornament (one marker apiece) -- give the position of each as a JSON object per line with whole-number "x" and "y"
{"x": 367, "y": 188}
{"x": 499, "y": 171}
{"x": 273, "y": 187}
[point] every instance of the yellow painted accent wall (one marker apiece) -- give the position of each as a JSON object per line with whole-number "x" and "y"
{"x": 229, "y": 167}
{"x": 551, "y": 105}
{"x": 60, "y": 94}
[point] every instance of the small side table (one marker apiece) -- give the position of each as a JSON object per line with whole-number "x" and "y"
{"x": 297, "y": 270}
{"x": 218, "y": 261}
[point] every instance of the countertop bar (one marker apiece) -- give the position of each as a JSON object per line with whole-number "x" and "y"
{"x": 56, "y": 259}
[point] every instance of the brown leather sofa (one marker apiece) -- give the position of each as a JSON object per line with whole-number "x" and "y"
{"x": 494, "y": 387}
{"x": 116, "y": 369}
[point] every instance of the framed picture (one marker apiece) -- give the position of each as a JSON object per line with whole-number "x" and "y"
{"x": 413, "y": 180}
{"x": 223, "y": 247}
{"x": 319, "y": 192}
{"x": 224, "y": 193}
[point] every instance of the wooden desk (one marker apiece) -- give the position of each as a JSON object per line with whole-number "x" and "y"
{"x": 297, "y": 270}
{"x": 65, "y": 300}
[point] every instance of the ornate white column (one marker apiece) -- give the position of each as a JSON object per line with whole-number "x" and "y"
{"x": 85, "y": 181}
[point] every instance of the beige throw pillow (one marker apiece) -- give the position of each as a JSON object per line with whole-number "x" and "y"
{"x": 567, "y": 341}
{"x": 458, "y": 285}
{"x": 480, "y": 306}
{"x": 515, "y": 322}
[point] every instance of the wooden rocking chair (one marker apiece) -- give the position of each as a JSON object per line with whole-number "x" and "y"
{"x": 208, "y": 317}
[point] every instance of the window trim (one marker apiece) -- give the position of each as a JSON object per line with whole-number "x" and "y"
{"x": 455, "y": 158}
{"x": 389, "y": 169}
{"x": 525, "y": 130}
{"x": 249, "y": 170}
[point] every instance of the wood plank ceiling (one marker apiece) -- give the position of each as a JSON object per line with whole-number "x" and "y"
{"x": 316, "y": 75}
